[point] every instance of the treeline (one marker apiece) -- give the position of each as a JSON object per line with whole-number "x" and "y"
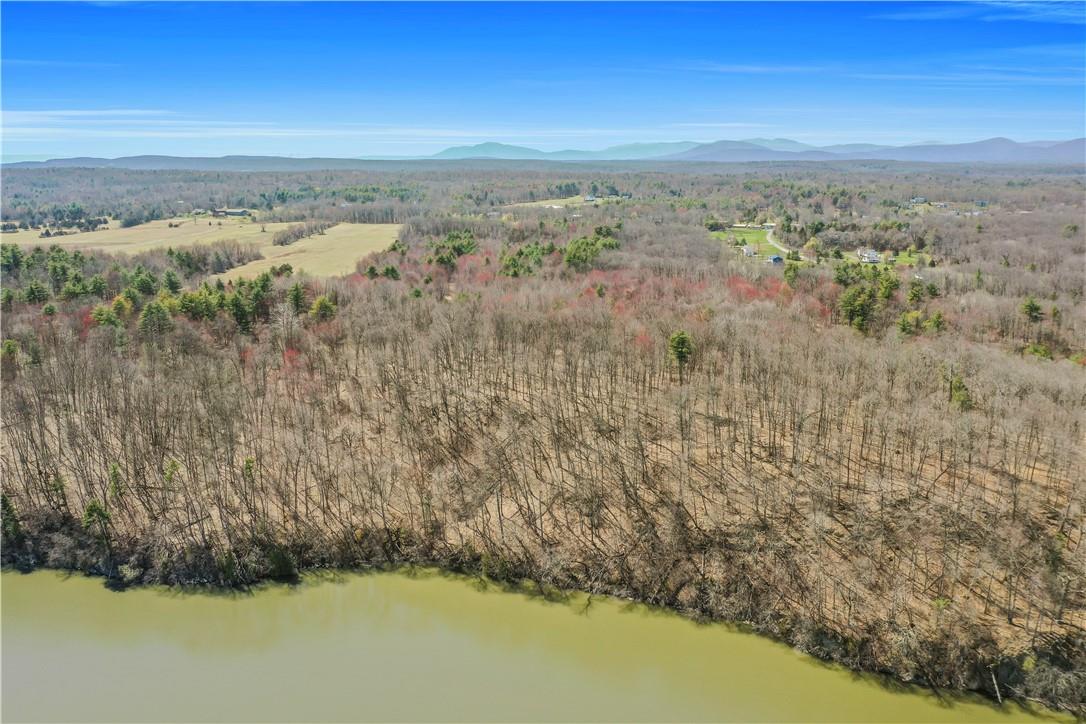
{"x": 44, "y": 279}
{"x": 297, "y": 232}
{"x": 812, "y": 199}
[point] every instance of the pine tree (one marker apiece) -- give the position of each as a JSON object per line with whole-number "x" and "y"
{"x": 296, "y": 297}
{"x": 681, "y": 349}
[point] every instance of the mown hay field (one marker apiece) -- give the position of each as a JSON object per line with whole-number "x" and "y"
{"x": 155, "y": 234}
{"x": 568, "y": 201}
{"x": 332, "y": 253}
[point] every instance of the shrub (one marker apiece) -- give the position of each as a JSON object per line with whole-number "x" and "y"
{"x": 1038, "y": 350}
{"x": 322, "y": 309}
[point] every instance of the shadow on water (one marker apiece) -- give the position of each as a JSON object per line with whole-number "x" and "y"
{"x": 493, "y": 620}
{"x": 581, "y": 603}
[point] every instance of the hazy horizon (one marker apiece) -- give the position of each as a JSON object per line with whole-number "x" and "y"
{"x": 16, "y": 158}
{"x": 355, "y": 81}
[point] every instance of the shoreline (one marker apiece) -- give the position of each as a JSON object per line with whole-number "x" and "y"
{"x": 47, "y": 544}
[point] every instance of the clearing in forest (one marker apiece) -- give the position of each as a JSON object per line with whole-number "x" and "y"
{"x": 187, "y": 230}
{"x": 332, "y": 253}
{"x": 329, "y": 254}
{"x": 755, "y": 238}
{"x": 568, "y": 201}
{"x": 909, "y": 258}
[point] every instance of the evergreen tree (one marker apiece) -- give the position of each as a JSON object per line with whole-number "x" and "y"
{"x": 681, "y": 349}
{"x": 1032, "y": 310}
{"x": 155, "y": 320}
{"x": 296, "y": 297}
{"x": 171, "y": 282}
{"x": 36, "y": 293}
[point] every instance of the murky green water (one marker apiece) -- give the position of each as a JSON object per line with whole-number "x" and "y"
{"x": 407, "y": 646}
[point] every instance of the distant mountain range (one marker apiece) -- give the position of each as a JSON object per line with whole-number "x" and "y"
{"x": 992, "y": 150}
{"x": 628, "y": 152}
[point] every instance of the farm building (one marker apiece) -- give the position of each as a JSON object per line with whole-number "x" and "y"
{"x": 230, "y": 212}
{"x": 869, "y": 256}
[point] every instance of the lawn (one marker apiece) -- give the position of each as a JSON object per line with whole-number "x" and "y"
{"x": 909, "y": 259}
{"x": 330, "y": 254}
{"x": 755, "y": 238}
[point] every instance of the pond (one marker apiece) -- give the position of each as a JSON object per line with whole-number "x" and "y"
{"x": 410, "y": 645}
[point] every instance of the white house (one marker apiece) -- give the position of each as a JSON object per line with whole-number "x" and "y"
{"x": 869, "y": 256}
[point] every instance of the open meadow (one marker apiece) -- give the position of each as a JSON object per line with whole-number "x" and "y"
{"x": 552, "y": 203}
{"x": 752, "y": 237}
{"x": 332, "y": 253}
{"x": 157, "y": 234}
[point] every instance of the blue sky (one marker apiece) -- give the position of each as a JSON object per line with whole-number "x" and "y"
{"x": 344, "y": 79}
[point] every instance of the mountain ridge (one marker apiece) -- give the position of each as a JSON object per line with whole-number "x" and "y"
{"x": 991, "y": 150}
{"x": 624, "y": 152}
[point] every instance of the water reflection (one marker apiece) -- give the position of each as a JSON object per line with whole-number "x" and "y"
{"x": 412, "y": 645}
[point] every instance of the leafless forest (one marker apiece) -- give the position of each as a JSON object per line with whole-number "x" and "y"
{"x": 880, "y": 463}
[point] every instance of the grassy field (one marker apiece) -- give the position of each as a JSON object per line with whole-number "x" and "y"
{"x": 755, "y": 238}
{"x": 330, "y": 254}
{"x": 568, "y": 201}
{"x": 334, "y": 252}
{"x": 909, "y": 259}
{"x": 154, "y": 235}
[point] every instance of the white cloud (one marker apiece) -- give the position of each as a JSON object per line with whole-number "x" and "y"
{"x": 1036, "y": 11}
{"x": 973, "y": 78}
{"x": 83, "y": 125}
{"x": 1048, "y": 11}
{"x": 14, "y": 119}
{"x": 954, "y": 12}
